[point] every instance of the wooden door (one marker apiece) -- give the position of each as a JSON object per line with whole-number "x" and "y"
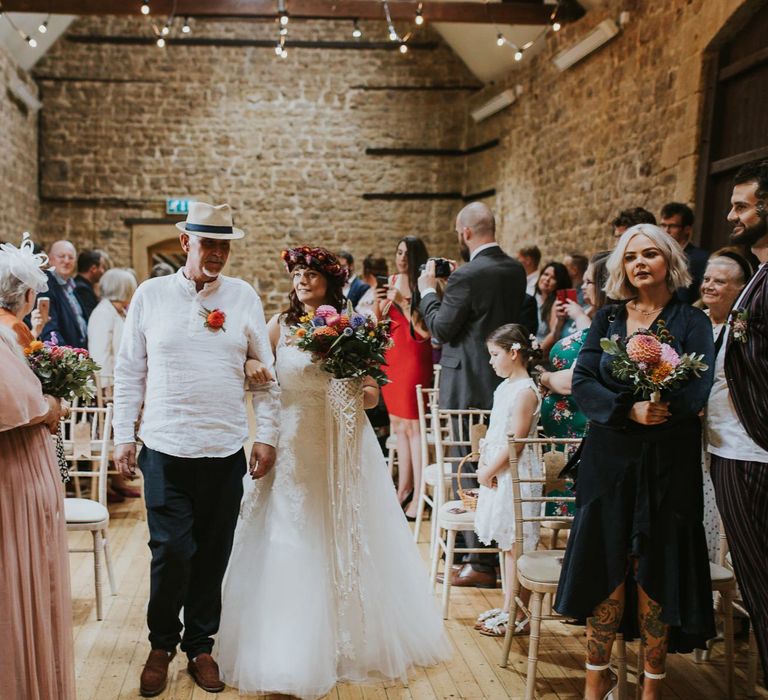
{"x": 735, "y": 128}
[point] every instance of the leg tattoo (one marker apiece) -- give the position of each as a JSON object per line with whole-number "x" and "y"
{"x": 654, "y": 633}
{"x": 602, "y": 627}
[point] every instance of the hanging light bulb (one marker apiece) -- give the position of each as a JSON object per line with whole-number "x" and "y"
{"x": 283, "y": 52}
{"x": 392, "y": 34}
{"x": 283, "y": 31}
{"x": 403, "y": 48}
{"x": 186, "y": 29}
{"x": 518, "y": 55}
{"x": 43, "y": 28}
{"x": 419, "y": 19}
{"x": 500, "y": 40}
{"x": 161, "y": 43}
{"x": 556, "y": 26}
{"x": 166, "y": 30}
{"x": 284, "y": 19}
{"x": 32, "y": 42}
{"x": 278, "y": 49}
{"x": 356, "y": 31}
{"x": 145, "y": 8}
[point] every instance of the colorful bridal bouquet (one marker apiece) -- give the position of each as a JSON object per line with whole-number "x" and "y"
{"x": 346, "y": 344}
{"x": 649, "y": 361}
{"x": 65, "y": 372}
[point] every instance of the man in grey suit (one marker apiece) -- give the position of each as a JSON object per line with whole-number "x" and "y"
{"x": 485, "y": 293}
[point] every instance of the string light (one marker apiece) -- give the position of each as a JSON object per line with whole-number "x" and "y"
{"x": 500, "y": 40}
{"x": 284, "y": 19}
{"x": 166, "y": 30}
{"x": 278, "y": 49}
{"x": 145, "y": 7}
{"x": 356, "y": 31}
{"x": 161, "y": 43}
{"x": 419, "y": 19}
{"x": 556, "y": 26}
{"x": 43, "y": 28}
{"x": 283, "y": 31}
{"x": 403, "y": 48}
{"x": 392, "y": 33}
{"x": 186, "y": 29}
{"x": 518, "y": 55}
{"x": 32, "y": 42}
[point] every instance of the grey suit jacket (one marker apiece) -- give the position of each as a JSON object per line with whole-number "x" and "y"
{"x": 480, "y": 296}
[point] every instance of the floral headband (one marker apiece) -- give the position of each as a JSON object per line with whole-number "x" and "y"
{"x": 24, "y": 264}
{"x": 534, "y": 344}
{"x": 320, "y": 259}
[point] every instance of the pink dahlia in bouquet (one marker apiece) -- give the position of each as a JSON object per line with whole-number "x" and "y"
{"x": 650, "y": 362}
{"x": 346, "y": 344}
{"x": 64, "y": 372}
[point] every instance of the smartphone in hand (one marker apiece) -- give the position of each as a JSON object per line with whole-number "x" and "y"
{"x": 563, "y": 295}
{"x": 382, "y": 281}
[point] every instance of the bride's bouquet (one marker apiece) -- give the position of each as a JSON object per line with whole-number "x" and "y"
{"x": 345, "y": 344}
{"x": 64, "y": 373}
{"x": 650, "y": 363}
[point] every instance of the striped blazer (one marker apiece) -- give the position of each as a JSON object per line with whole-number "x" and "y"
{"x": 746, "y": 363}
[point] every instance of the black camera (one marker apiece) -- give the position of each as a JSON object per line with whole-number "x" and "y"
{"x": 442, "y": 267}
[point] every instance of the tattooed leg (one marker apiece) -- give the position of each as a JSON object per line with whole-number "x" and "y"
{"x": 601, "y": 633}
{"x": 654, "y": 636}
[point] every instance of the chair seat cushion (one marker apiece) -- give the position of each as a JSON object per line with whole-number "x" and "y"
{"x": 84, "y": 510}
{"x": 541, "y": 566}
{"x": 430, "y": 472}
{"x": 460, "y": 520}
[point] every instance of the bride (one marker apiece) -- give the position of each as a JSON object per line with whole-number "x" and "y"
{"x": 288, "y": 624}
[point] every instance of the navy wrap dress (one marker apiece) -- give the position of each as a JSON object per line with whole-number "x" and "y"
{"x": 639, "y": 489}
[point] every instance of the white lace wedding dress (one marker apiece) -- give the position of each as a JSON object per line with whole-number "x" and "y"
{"x": 287, "y": 626}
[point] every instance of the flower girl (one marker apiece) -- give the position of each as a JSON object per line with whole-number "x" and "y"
{"x": 516, "y": 404}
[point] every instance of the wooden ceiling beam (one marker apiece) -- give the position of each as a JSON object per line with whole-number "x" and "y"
{"x": 521, "y": 12}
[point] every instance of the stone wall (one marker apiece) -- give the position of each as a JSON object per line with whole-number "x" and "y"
{"x": 18, "y": 160}
{"x": 282, "y": 140}
{"x": 619, "y": 129}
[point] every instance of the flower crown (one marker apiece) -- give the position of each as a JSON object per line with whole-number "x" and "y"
{"x": 320, "y": 259}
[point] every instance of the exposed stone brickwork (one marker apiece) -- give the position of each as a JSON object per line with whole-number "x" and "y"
{"x": 18, "y": 157}
{"x": 619, "y": 129}
{"x": 282, "y": 140}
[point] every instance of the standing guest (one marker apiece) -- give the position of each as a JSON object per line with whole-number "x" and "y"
{"x": 530, "y": 259}
{"x": 354, "y": 287}
{"x": 482, "y": 295}
{"x": 375, "y": 270}
{"x": 65, "y": 318}
{"x": 677, "y": 221}
{"x": 552, "y": 325}
{"x": 637, "y": 547}
{"x": 739, "y": 447}
{"x": 724, "y": 278}
{"x": 161, "y": 269}
{"x": 17, "y": 296}
{"x": 186, "y": 363}
{"x": 91, "y": 265}
{"x": 631, "y": 217}
{"x": 576, "y": 264}
{"x": 408, "y": 363}
{"x": 36, "y": 647}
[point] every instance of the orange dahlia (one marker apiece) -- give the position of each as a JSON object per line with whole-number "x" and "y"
{"x": 661, "y": 372}
{"x": 325, "y": 331}
{"x": 644, "y": 348}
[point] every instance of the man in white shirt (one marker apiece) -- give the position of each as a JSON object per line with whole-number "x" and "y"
{"x": 185, "y": 342}
{"x": 530, "y": 259}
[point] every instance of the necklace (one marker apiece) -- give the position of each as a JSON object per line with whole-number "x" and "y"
{"x": 646, "y": 313}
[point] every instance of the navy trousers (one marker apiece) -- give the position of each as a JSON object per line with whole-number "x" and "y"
{"x": 192, "y": 509}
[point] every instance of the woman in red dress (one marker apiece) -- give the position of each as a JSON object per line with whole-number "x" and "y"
{"x": 409, "y": 362}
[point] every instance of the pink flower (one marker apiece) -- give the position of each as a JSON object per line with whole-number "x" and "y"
{"x": 644, "y": 348}
{"x": 669, "y": 355}
{"x": 326, "y": 311}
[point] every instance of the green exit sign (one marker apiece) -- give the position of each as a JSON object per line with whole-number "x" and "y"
{"x": 177, "y": 206}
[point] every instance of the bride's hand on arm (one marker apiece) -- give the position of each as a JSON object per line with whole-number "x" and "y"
{"x": 370, "y": 393}
{"x": 257, "y": 372}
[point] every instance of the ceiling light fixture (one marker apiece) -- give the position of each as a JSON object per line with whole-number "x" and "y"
{"x": 145, "y": 8}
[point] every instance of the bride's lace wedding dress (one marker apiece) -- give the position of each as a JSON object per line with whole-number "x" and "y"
{"x": 288, "y": 626}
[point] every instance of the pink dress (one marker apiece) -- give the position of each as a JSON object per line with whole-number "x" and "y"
{"x": 36, "y": 648}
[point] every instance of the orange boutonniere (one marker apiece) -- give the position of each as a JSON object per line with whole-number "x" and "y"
{"x": 214, "y": 319}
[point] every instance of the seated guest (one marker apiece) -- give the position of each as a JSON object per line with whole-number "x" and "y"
{"x": 554, "y": 276}
{"x": 373, "y": 267}
{"x": 631, "y": 217}
{"x": 18, "y": 289}
{"x": 65, "y": 317}
{"x": 355, "y": 287}
{"x": 91, "y": 265}
{"x": 36, "y": 651}
{"x": 677, "y": 221}
{"x": 530, "y": 258}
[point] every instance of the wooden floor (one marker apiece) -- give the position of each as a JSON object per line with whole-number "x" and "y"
{"x": 110, "y": 654}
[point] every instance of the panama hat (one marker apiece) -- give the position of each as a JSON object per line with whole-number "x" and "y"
{"x": 210, "y": 221}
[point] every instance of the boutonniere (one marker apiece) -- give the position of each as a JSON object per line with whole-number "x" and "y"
{"x": 214, "y": 319}
{"x": 739, "y": 323}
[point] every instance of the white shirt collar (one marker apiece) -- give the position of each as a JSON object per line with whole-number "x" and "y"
{"x": 190, "y": 286}
{"x": 481, "y": 248}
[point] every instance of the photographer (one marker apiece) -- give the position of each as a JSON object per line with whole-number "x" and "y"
{"x": 408, "y": 363}
{"x": 480, "y": 296}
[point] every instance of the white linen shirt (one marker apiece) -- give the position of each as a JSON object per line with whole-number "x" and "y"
{"x": 191, "y": 379}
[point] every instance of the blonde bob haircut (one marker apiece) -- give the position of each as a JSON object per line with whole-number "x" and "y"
{"x": 618, "y": 286}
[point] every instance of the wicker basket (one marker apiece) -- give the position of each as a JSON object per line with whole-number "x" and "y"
{"x": 469, "y": 496}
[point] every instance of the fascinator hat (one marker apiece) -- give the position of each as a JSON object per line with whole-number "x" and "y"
{"x": 24, "y": 264}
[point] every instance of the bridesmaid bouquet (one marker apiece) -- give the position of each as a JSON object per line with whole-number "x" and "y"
{"x": 65, "y": 372}
{"x": 649, "y": 361}
{"x": 346, "y": 344}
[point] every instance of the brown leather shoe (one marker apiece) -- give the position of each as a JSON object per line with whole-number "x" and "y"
{"x": 154, "y": 677}
{"x": 205, "y": 671}
{"x": 466, "y": 576}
